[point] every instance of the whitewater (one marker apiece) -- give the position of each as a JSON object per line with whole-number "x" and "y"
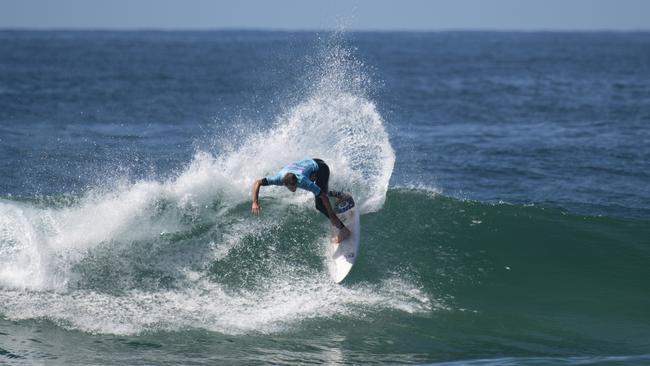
{"x": 133, "y": 257}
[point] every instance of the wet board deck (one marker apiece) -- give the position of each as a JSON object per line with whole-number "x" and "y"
{"x": 345, "y": 253}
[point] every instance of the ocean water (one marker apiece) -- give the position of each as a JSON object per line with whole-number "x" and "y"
{"x": 503, "y": 181}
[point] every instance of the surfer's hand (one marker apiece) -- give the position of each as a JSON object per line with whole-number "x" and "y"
{"x": 256, "y": 209}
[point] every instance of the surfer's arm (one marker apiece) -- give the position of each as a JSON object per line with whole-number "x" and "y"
{"x": 344, "y": 232}
{"x": 274, "y": 180}
{"x": 256, "y": 208}
{"x": 336, "y": 222}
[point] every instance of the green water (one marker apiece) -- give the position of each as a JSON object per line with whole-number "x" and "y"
{"x": 438, "y": 279}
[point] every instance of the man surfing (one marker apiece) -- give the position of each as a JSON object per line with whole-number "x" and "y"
{"x": 312, "y": 175}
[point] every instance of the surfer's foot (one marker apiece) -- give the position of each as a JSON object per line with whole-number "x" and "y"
{"x": 342, "y": 235}
{"x": 335, "y": 194}
{"x": 339, "y": 195}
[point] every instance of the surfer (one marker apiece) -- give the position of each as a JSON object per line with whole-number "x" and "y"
{"x": 312, "y": 175}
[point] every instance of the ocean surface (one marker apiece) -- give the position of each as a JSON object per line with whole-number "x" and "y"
{"x": 503, "y": 180}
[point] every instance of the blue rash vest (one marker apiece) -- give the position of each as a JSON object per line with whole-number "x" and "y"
{"x": 304, "y": 170}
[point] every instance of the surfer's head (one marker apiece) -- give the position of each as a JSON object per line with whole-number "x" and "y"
{"x": 290, "y": 181}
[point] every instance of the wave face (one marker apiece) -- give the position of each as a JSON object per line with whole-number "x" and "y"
{"x": 442, "y": 274}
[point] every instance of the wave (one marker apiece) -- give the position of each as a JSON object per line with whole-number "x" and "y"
{"x": 186, "y": 252}
{"x": 422, "y": 254}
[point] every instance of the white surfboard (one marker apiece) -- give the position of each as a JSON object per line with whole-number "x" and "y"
{"x": 345, "y": 253}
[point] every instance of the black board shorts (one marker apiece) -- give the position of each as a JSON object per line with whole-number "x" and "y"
{"x": 322, "y": 176}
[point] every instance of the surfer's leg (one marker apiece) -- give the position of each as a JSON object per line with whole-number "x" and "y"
{"x": 322, "y": 181}
{"x": 320, "y": 207}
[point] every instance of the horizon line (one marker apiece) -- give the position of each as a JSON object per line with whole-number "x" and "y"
{"x": 316, "y": 30}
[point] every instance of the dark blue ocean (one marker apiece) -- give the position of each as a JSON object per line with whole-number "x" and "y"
{"x": 503, "y": 180}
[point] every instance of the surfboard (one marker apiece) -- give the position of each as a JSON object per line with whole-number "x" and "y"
{"x": 345, "y": 253}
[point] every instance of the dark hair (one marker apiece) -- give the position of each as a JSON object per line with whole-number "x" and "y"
{"x": 289, "y": 179}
